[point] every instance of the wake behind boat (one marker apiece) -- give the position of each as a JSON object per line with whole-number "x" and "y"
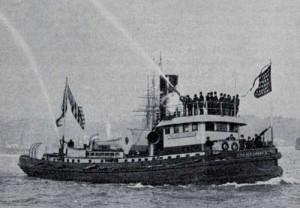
{"x": 196, "y": 141}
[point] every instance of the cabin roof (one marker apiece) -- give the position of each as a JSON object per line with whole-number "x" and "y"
{"x": 202, "y": 119}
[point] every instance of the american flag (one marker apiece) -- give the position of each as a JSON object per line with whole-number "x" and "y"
{"x": 265, "y": 85}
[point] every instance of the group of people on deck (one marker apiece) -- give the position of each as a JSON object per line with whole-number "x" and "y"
{"x": 222, "y": 105}
{"x": 251, "y": 143}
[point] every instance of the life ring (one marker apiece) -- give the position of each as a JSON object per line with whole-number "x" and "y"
{"x": 234, "y": 146}
{"x": 225, "y": 146}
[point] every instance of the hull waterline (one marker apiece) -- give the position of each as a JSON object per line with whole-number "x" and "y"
{"x": 189, "y": 171}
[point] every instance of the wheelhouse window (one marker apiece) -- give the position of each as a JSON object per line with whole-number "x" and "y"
{"x": 221, "y": 126}
{"x": 185, "y": 127}
{"x": 233, "y": 128}
{"x": 176, "y": 129}
{"x": 194, "y": 126}
{"x": 167, "y": 130}
{"x": 209, "y": 126}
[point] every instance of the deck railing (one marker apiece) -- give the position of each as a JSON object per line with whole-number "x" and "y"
{"x": 201, "y": 108}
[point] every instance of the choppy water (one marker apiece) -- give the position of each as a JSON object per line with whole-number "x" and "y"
{"x": 17, "y": 190}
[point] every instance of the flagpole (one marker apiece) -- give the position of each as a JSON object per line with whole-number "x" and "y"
{"x": 64, "y": 109}
{"x": 271, "y": 116}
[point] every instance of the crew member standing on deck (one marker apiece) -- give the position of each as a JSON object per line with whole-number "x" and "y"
{"x": 215, "y": 104}
{"x": 237, "y": 104}
{"x": 228, "y": 105}
{"x": 201, "y": 103}
{"x": 232, "y": 106}
{"x": 220, "y": 105}
{"x": 196, "y": 103}
{"x": 211, "y": 98}
{"x": 258, "y": 141}
{"x": 184, "y": 102}
{"x": 224, "y": 105}
{"x": 249, "y": 143}
{"x": 242, "y": 142}
{"x": 189, "y": 105}
{"x": 207, "y": 103}
{"x": 208, "y": 146}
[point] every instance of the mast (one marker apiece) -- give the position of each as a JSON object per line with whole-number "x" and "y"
{"x": 271, "y": 116}
{"x": 154, "y": 103}
{"x": 148, "y": 107}
{"x": 62, "y": 143}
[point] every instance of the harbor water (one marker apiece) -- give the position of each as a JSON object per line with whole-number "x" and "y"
{"x": 18, "y": 190}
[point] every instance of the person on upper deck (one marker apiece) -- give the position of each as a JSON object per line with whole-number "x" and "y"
{"x": 189, "y": 105}
{"x": 201, "y": 103}
{"x": 232, "y": 106}
{"x": 237, "y": 104}
{"x": 215, "y": 103}
{"x": 224, "y": 104}
{"x": 184, "y": 103}
{"x": 195, "y": 104}
{"x": 207, "y": 98}
{"x": 221, "y": 101}
{"x": 228, "y": 100}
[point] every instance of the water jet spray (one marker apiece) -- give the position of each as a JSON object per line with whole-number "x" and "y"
{"x": 24, "y": 46}
{"x": 134, "y": 44}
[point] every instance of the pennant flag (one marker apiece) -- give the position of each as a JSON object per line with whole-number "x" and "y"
{"x": 76, "y": 110}
{"x": 265, "y": 85}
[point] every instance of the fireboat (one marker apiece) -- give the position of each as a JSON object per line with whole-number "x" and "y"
{"x": 199, "y": 146}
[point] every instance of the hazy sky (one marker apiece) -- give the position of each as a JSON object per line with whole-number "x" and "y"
{"x": 104, "y": 48}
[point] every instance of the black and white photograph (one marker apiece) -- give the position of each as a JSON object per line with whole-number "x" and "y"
{"x": 150, "y": 103}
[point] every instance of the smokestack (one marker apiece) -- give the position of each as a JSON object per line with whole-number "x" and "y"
{"x": 165, "y": 89}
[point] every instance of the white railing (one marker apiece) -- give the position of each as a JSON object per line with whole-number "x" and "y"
{"x": 202, "y": 108}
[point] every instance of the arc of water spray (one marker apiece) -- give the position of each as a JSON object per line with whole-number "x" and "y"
{"x": 113, "y": 20}
{"x": 24, "y": 46}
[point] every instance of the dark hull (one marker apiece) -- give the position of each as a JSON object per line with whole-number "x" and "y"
{"x": 174, "y": 171}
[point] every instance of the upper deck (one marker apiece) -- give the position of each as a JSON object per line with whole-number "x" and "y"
{"x": 202, "y": 119}
{"x": 202, "y": 112}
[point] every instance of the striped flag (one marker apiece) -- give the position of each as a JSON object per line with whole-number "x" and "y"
{"x": 265, "y": 85}
{"x": 76, "y": 110}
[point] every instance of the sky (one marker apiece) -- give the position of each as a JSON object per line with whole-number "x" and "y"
{"x": 106, "y": 48}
